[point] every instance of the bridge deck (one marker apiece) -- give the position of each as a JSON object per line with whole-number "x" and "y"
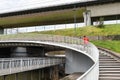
{"x": 15, "y": 65}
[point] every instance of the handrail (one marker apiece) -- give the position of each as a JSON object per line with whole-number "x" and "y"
{"x": 74, "y": 43}
{"x": 51, "y": 38}
{"x": 14, "y": 65}
{"x": 93, "y": 72}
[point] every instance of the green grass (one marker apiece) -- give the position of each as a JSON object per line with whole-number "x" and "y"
{"x": 88, "y": 31}
{"x": 111, "y": 45}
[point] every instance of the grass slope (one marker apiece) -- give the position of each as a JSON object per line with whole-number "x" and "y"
{"x": 111, "y": 45}
{"x": 93, "y": 31}
{"x": 89, "y": 31}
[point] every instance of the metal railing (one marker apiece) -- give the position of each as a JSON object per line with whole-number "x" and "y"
{"x": 14, "y": 65}
{"x": 70, "y": 42}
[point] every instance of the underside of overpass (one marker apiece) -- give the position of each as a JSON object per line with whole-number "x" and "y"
{"x": 43, "y": 18}
{"x": 61, "y": 14}
{"x": 18, "y": 49}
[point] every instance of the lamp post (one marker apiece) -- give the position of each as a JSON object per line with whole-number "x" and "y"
{"x": 74, "y": 10}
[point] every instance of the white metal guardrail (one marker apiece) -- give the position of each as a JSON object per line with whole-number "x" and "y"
{"x": 14, "y": 65}
{"x": 70, "y": 42}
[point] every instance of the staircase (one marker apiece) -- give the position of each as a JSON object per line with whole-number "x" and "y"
{"x": 109, "y": 67}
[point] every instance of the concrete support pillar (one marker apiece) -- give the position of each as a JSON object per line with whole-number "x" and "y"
{"x": 16, "y": 76}
{"x": 5, "y": 31}
{"x": 4, "y": 77}
{"x": 27, "y": 52}
{"x": 31, "y": 76}
{"x": 87, "y": 18}
{"x": 55, "y": 75}
{"x": 42, "y": 74}
{"x": 39, "y": 74}
{"x": 19, "y": 52}
{"x": 1, "y": 30}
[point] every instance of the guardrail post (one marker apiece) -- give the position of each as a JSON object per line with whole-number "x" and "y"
{"x": 10, "y": 66}
{"x": 2, "y": 64}
{"x": 21, "y": 64}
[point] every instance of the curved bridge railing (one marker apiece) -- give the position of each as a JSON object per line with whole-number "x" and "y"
{"x": 70, "y": 42}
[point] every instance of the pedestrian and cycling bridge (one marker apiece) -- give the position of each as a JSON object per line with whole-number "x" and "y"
{"x": 79, "y": 58}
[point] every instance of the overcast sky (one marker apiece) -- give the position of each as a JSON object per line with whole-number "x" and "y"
{"x": 14, "y": 5}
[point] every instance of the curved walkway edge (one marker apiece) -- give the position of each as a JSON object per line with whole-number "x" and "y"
{"x": 76, "y": 46}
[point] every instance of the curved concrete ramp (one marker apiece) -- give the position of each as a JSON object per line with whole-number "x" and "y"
{"x": 79, "y": 58}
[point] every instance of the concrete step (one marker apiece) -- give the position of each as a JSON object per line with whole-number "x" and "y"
{"x": 109, "y": 75}
{"x": 109, "y": 72}
{"x": 112, "y": 63}
{"x": 109, "y": 78}
{"x": 106, "y": 58}
{"x": 109, "y": 62}
{"x": 103, "y": 54}
{"x": 109, "y": 69}
{"x": 109, "y": 66}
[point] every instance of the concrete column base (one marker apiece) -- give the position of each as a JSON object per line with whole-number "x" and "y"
{"x": 87, "y": 18}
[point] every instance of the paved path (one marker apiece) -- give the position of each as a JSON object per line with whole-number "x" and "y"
{"x": 73, "y": 76}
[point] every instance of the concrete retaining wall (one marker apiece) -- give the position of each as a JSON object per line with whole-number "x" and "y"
{"x": 109, "y": 37}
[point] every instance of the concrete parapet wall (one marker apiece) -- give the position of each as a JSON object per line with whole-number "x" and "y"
{"x": 109, "y": 37}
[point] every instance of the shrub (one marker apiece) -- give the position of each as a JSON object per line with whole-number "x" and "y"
{"x": 100, "y": 23}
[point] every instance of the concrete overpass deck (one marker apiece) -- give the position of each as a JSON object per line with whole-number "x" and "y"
{"x": 62, "y": 14}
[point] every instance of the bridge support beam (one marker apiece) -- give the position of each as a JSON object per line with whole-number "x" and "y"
{"x": 87, "y": 18}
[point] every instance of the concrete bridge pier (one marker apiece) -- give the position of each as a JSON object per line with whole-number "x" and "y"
{"x": 1, "y": 30}
{"x": 27, "y": 52}
{"x": 54, "y": 73}
{"x": 19, "y": 52}
{"x": 87, "y": 18}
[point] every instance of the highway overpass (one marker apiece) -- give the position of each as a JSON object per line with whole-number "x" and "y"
{"x": 88, "y": 11}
